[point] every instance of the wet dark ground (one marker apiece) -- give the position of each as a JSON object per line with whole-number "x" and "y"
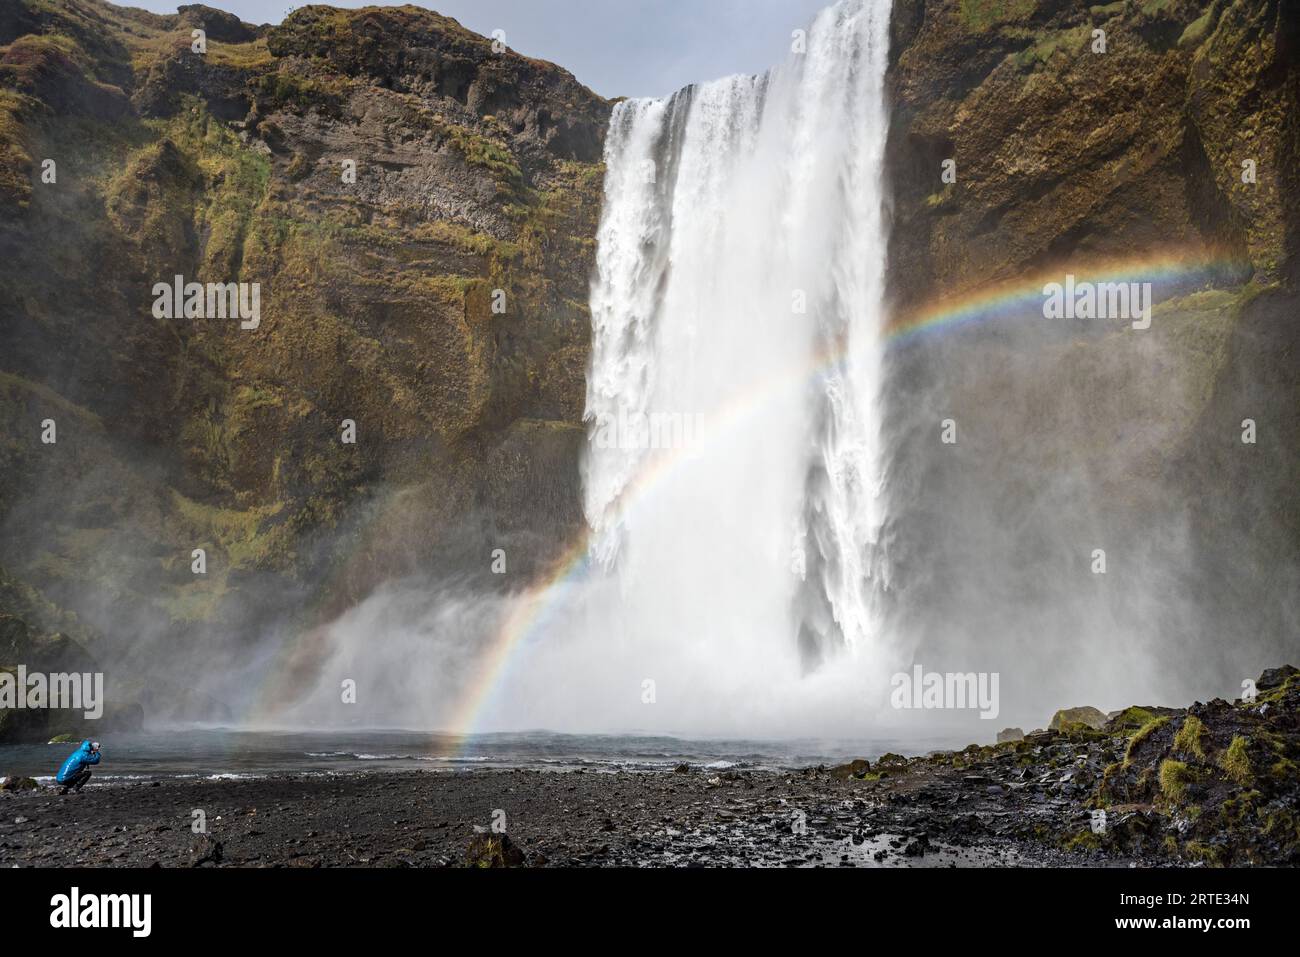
{"x": 923, "y": 815}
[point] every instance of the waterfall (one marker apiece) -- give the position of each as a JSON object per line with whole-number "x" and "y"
{"x": 733, "y": 475}
{"x": 732, "y": 577}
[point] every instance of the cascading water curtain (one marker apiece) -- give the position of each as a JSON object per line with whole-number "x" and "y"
{"x": 733, "y": 476}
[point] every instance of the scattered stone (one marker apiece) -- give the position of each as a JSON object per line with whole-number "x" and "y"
{"x": 917, "y": 846}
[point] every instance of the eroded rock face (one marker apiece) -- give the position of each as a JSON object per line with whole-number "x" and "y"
{"x": 418, "y": 211}
{"x": 409, "y": 50}
{"x": 1063, "y": 152}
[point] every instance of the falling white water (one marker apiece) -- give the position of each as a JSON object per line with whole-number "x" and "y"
{"x": 739, "y": 286}
{"x": 733, "y": 473}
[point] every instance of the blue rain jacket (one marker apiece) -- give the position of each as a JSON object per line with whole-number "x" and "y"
{"x": 77, "y": 760}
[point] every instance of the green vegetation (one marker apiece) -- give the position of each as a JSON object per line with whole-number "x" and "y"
{"x": 15, "y": 160}
{"x": 489, "y": 154}
{"x": 1142, "y": 734}
{"x": 240, "y": 56}
{"x": 1235, "y": 762}
{"x": 937, "y": 199}
{"x": 1133, "y": 718}
{"x": 1199, "y": 28}
{"x": 1204, "y": 853}
{"x": 1188, "y": 738}
{"x": 981, "y": 15}
{"x": 1083, "y": 841}
{"x": 1283, "y": 824}
{"x": 1174, "y": 778}
{"x": 243, "y": 175}
{"x": 284, "y": 89}
{"x": 1068, "y": 42}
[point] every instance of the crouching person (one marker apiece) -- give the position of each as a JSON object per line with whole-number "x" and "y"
{"x": 75, "y": 771}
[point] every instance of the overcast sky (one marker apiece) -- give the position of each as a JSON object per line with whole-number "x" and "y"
{"x": 616, "y": 47}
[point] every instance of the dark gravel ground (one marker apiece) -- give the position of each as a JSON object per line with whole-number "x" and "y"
{"x": 1217, "y": 783}
{"x": 921, "y": 817}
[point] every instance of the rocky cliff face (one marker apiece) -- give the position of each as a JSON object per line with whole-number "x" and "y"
{"x": 1107, "y": 130}
{"x": 418, "y": 210}
{"x": 1108, "y": 141}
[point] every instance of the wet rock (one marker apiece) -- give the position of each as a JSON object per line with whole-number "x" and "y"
{"x": 494, "y": 850}
{"x": 1068, "y": 718}
{"x": 205, "y": 850}
{"x": 18, "y": 783}
{"x": 1135, "y": 717}
{"x": 856, "y": 769}
{"x": 1275, "y": 677}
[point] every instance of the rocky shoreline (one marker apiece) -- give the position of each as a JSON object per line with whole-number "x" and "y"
{"x": 1215, "y": 784}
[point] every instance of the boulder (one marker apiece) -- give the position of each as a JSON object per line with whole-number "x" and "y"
{"x": 217, "y": 24}
{"x": 1086, "y": 715}
{"x": 1135, "y": 717}
{"x": 494, "y": 850}
{"x": 17, "y": 783}
{"x": 1275, "y": 677}
{"x": 856, "y": 769}
{"x": 205, "y": 850}
{"x": 1010, "y": 734}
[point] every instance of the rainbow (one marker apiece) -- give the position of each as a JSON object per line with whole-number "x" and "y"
{"x": 533, "y": 610}
{"x": 550, "y": 592}
{"x": 1166, "y": 270}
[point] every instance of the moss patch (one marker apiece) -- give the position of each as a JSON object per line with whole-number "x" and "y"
{"x": 1142, "y": 734}
{"x": 1174, "y": 778}
{"x": 981, "y": 15}
{"x": 1235, "y": 762}
{"x": 1188, "y": 738}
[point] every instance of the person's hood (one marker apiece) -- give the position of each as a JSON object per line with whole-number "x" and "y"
{"x": 85, "y": 745}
